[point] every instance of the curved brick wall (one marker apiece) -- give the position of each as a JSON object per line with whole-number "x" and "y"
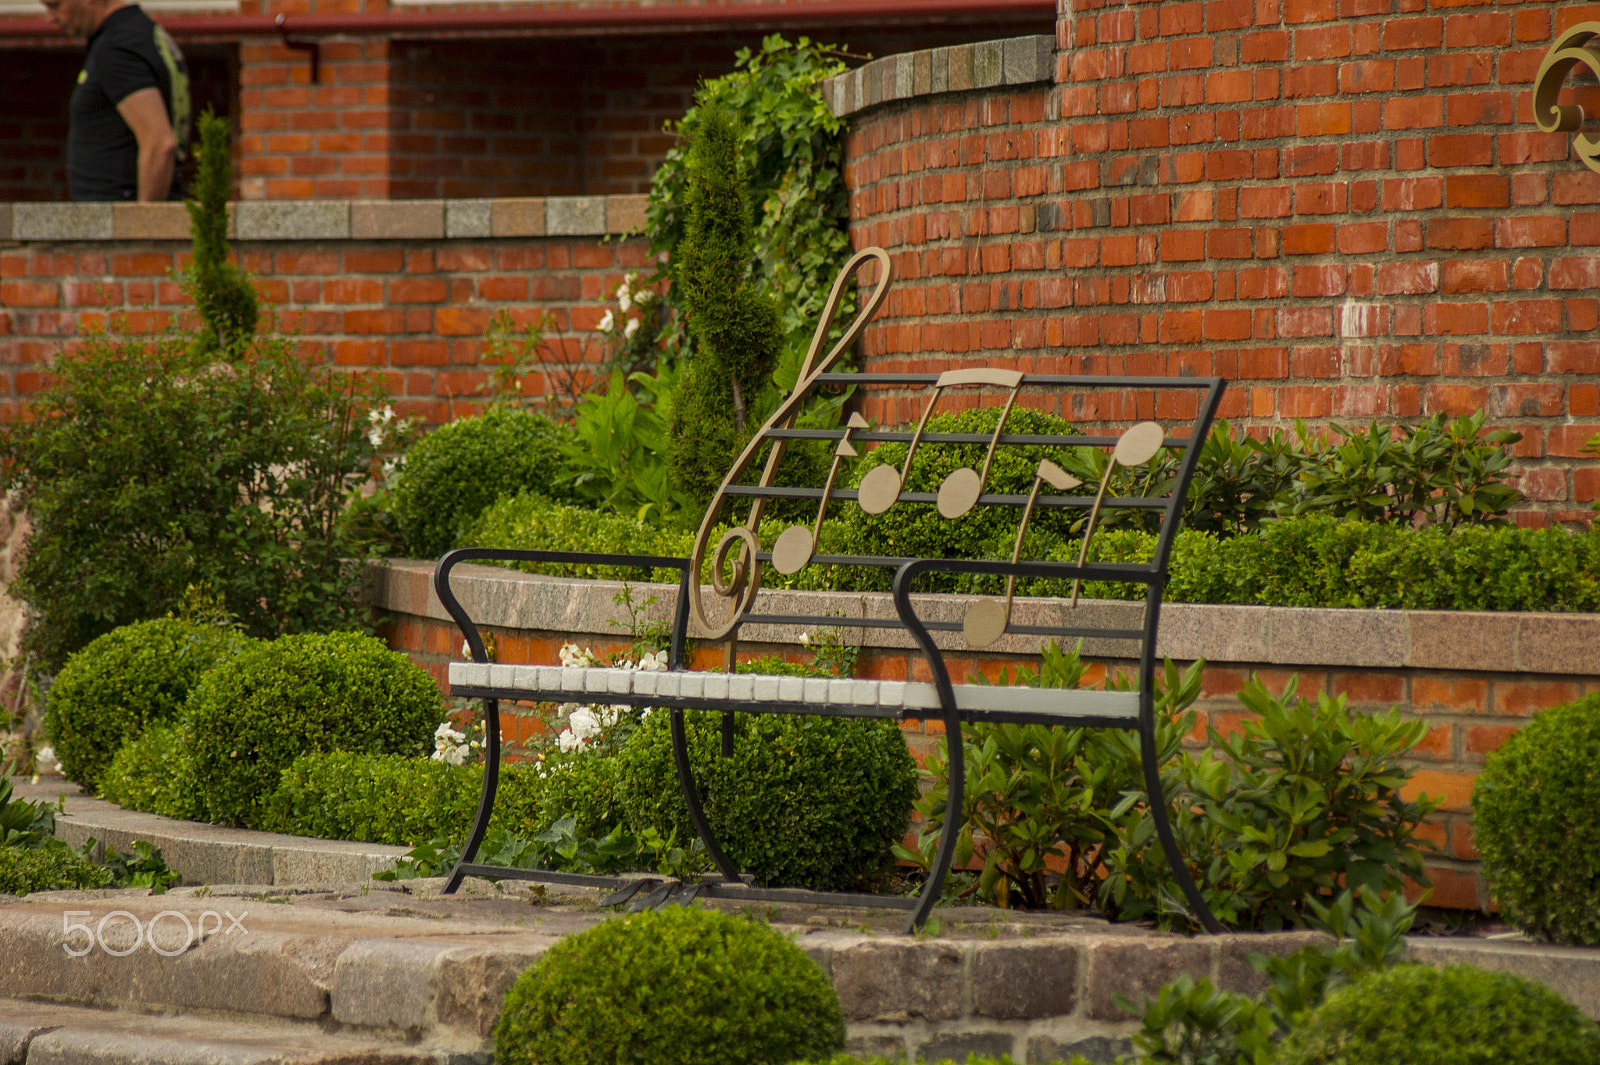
{"x": 1342, "y": 206}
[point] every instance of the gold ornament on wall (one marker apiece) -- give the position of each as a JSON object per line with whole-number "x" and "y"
{"x": 1571, "y": 49}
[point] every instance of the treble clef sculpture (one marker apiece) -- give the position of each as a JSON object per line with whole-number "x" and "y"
{"x": 735, "y": 578}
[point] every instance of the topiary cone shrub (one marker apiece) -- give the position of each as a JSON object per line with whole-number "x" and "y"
{"x": 679, "y": 986}
{"x": 1459, "y": 1015}
{"x": 121, "y": 683}
{"x": 1536, "y": 816}
{"x": 298, "y": 695}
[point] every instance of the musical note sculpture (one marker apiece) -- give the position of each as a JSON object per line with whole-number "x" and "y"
{"x": 986, "y": 620}
{"x": 1135, "y": 447}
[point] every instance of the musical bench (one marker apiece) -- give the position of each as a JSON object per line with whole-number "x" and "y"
{"x": 1164, "y": 454}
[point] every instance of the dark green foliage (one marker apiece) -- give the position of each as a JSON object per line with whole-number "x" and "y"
{"x": 50, "y": 868}
{"x": 1536, "y": 819}
{"x": 531, "y": 522}
{"x": 1238, "y": 481}
{"x": 221, "y": 291}
{"x": 130, "y": 678}
{"x": 1302, "y": 802}
{"x": 733, "y": 322}
{"x": 155, "y": 773}
{"x": 300, "y": 695}
{"x": 447, "y": 478}
{"x": 806, "y": 801}
{"x": 1458, "y": 1015}
{"x": 678, "y": 986}
{"x": 147, "y": 468}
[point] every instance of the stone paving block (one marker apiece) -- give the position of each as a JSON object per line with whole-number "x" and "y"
{"x": 77, "y": 1046}
{"x": 896, "y": 981}
{"x": 397, "y": 220}
{"x": 61, "y": 221}
{"x": 14, "y": 1040}
{"x": 1025, "y": 980}
{"x": 312, "y": 863}
{"x": 626, "y": 214}
{"x": 1234, "y": 971}
{"x": 472, "y": 983}
{"x": 150, "y": 221}
{"x": 1096, "y": 1049}
{"x": 956, "y": 1046}
{"x": 386, "y": 983}
{"x": 876, "y": 1045}
{"x": 575, "y": 216}
{"x": 521, "y": 217}
{"x": 467, "y": 218}
{"x": 1138, "y": 968}
{"x": 287, "y": 220}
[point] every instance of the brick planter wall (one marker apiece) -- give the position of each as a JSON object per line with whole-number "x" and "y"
{"x": 1474, "y": 677}
{"x": 1343, "y": 208}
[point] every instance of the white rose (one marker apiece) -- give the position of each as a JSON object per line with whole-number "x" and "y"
{"x": 584, "y": 724}
{"x": 606, "y": 324}
{"x": 632, "y": 328}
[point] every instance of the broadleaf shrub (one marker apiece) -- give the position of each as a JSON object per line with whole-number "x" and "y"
{"x": 1457, "y": 1015}
{"x": 155, "y": 773}
{"x": 125, "y": 681}
{"x": 446, "y": 479}
{"x": 806, "y": 801}
{"x": 1536, "y": 820}
{"x": 299, "y": 695}
{"x": 147, "y": 466}
{"x": 58, "y": 868}
{"x": 677, "y": 986}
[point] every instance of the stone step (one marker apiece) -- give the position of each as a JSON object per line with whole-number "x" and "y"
{"x": 39, "y": 1033}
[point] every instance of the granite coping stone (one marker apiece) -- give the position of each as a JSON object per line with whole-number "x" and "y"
{"x": 323, "y": 220}
{"x": 956, "y": 68}
{"x": 1544, "y": 643}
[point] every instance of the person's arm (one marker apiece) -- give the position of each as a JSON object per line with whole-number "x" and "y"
{"x": 145, "y": 112}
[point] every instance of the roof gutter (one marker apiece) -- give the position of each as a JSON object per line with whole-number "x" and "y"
{"x": 657, "y": 18}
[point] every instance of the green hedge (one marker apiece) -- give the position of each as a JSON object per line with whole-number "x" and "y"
{"x": 155, "y": 773}
{"x": 48, "y": 868}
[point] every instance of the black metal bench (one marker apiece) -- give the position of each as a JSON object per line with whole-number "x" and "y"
{"x": 733, "y": 600}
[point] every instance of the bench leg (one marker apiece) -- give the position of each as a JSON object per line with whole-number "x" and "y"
{"x": 955, "y": 800}
{"x": 691, "y": 798}
{"x": 491, "y": 783}
{"x": 1169, "y": 843}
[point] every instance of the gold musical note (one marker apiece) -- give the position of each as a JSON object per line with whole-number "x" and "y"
{"x": 985, "y": 620}
{"x": 737, "y": 578}
{"x": 881, "y": 487}
{"x": 797, "y": 544}
{"x": 1135, "y": 447}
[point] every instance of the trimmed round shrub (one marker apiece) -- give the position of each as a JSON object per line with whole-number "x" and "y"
{"x": 1459, "y": 1015}
{"x": 300, "y": 695}
{"x": 155, "y": 773}
{"x": 678, "y": 985}
{"x": 47, "y": 868}
{"x": 123, "y": 682}
{"x": 1536, "y": 817}
{"x": 805, "y": 801}
{"x": 532, "y": 522}
{"x": 447, "y": 478}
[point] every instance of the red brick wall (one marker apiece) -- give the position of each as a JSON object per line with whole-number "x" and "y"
{"x": 415, "y": 311}
{"x": 1342, "y": 206}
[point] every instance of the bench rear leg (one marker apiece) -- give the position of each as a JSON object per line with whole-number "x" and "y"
{"x": 955, "y": 800}
{"x": 691, "y": 798}
{"x": 1169, "y": 843}
{"x": 491, "y": 783}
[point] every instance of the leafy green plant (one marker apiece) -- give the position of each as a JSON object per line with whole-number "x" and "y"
{"x": 1441, "y": 471}
{"x": 807, "y": 801}
{"x": 619, "y": 459}
{"x": 1458, "y": 1015}
{"x": 22, "y": 823}
{"x": 1036, "y": 799}
{"x": 1302, "y": 802}
{"x": 125, "y": 681}
{"x": 450, "y": 476}
{"x": 142, "y": 867}
{"x": 1536, "y": 820}
{"x": 299, "y": 695}
{"x": 147, "y": 467}
{"x": 221, "y": 291}
{"x": 1239, "y": 481}
{"x": 50, "y": 868}
{"x": 155, "y": 773}
{"x": 1592, "y": 447}
{"x": 739, "y": 992}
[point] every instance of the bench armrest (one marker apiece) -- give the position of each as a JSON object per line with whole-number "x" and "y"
{"x": 450, "y": 559}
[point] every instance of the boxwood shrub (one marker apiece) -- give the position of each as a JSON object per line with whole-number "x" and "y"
{"x": 1536, "y": 817}
{"x": 677, "y": 986}
{"x": 532, "y": 522}
{"x": 448, "y": 478}
{"x": 155, "y": 773}
{"x": 48, "y": 868}
{"x": 122, "y": 682}
{"x": 814, "y": 802}
{"x": 1457, "y": 1015}
{"x": 298, "y": 695}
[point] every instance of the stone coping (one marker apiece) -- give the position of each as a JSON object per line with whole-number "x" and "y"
{"x": 958, "y": 68}
{"x": 551, "y": 216}
{"x": 1478, "y": 641}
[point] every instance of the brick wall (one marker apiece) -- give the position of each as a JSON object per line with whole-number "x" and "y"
{"x": 1342, "y": 207}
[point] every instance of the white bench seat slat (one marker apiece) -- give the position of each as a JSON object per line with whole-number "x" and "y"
{"x": 975, "y": 699}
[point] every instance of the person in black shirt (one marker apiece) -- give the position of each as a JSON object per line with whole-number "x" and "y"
{"x": 130, "y": 110}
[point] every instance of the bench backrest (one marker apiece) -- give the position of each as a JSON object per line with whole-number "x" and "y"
{"x": 1040, "y": 490}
